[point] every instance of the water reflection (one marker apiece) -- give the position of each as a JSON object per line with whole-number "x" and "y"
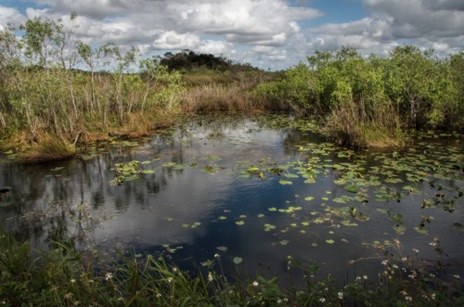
{"x": 197, "y": 200}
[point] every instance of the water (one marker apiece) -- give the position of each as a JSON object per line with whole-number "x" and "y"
{"x": 222, "y": 188}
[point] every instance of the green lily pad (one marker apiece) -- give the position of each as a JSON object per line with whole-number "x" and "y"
{"x": 169, "y": 164}
{"x": 237, "y": 260}
{"x": 352, "y": 188}
{"x": 397, "y": 217}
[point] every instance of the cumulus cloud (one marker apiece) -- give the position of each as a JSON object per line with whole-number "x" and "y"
{"x": 10, "y": 15}
{"x": 266, "y": 33}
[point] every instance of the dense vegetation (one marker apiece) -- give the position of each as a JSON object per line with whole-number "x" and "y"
{"x": 56, "y": 91}
{"x": 367, "y": 100}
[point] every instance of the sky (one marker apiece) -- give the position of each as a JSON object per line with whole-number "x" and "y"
{"x": 269, "y": 34}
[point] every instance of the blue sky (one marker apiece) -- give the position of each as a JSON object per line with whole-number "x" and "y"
{"x": 274, "y": 34}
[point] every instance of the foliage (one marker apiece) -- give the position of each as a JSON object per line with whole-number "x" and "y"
{"x": 364, "y": 100}
{"x": 188, "y": 60}
{"x": 54, "y": 86}
{"x": 64, "y": 276}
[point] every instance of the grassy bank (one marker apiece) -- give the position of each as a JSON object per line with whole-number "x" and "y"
{"x": 66, "y": 277}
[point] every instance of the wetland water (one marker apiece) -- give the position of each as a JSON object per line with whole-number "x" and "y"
{"x": 253, "y": 193}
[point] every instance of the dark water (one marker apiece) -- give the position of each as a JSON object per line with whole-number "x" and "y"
{"x": 202, "y": 204}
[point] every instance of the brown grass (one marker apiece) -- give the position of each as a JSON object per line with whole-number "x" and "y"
{"x": 352, "y": 124}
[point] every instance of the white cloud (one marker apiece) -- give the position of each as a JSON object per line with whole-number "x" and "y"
{"x": 256, "y": 31}
{"x": 173, "y": 40}
{"x": 10, "y": 15}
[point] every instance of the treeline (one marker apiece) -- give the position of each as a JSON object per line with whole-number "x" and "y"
{"x": 373, "y": 100}
{"x": 188, "y": 60}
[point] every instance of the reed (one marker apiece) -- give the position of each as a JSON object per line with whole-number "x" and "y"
{"x": 65, "y": 277}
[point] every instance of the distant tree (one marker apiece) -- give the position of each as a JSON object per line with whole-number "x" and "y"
{"x": 188, "y": 60}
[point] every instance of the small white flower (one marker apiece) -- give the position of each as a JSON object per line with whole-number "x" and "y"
{"x": 217, "y": 255}
{"x": 358, "y": 278}
{"x": 365, "y": 277}
{"x": 158, "y": 294}
{"x": 433, "y": 244}
{"x": 322, "y": 300}
{"x": 174, "y": 270}
{"x": 210, "y": 277}
{"x": 433, "y": 295}
{"x": 404, "y": 259}
{"x": 340, "y": 295}
{"x": 169, "y": 279}
{"x": 408, "y": 298}
{"x": 457, "y": 276}
{"x": 255, "y": 283}
{"x": 385, "y": 262}
{"x": 395, "y": 266}
{"x": 415, "y": 250}
{"x": 73, "y": 280}
{"x": 108, "y": 276}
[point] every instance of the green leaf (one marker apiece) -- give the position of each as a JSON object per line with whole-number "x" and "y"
{"x": 330, "y": 241}
{"x": 169, "y": 164}
{"x": 284, "y": 182}
{"x": 352, "y": 188}
{"x": 237, "y": 260}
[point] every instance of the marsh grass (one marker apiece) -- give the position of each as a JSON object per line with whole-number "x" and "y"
{"x": 65, "y": 277}
{"x": 353, "y": 125}
{"x": 218, "y": 97}
{"x": 47, "y": 148}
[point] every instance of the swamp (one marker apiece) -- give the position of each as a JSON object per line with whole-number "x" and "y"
{"x": 189, "y": 179}
{"x": 267, "y": 195}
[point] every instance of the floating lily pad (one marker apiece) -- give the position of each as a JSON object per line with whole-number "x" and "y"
{"x": 169, "y": 164}
{"x": 330, "y": 241}
{"x": 240, "y": 223}
{"x": 352, "y": 188}
{"x": 285, "y": 182}
{"x": 397, "y": 217}
{"x": 237, "y": 260}
{"x": 284, "y": 242}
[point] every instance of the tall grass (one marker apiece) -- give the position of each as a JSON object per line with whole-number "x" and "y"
{"x": 66, "y": 277}
{"x": 352, "y": 125}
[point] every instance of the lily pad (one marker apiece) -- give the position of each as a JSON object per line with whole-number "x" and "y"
{"x": 352, "y": 188}
{"x": 237, "y": 260}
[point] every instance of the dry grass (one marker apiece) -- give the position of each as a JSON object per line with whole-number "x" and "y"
{"x": 349, "y": 124}
{"x": 218, "y": 97}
